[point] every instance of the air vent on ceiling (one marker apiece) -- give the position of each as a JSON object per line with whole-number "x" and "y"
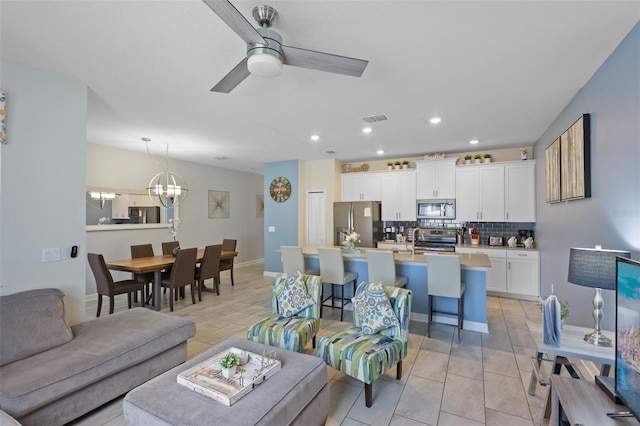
{"x": 330, "y": 152}
{"x": 374, "y": 118}
{"x": 221, "y": 158}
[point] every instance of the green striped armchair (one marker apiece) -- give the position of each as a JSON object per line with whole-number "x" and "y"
{"x": 368, "y": 356}
{"x": 291, "y": 333}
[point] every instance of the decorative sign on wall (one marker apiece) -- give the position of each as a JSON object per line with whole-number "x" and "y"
{"x": 218, "y": 204}
{"x": 3, "y": 130}
{"x": 568, "y": 163}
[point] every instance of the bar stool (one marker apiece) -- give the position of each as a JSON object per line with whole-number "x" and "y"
{"x": 332, "y": 272}
{"x": 293, "y": 261}
{"x": 444, "y": 280}
{"x": 382, "y": 268}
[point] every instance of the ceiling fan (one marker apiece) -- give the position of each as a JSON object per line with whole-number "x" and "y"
{"x": 265, "y": 52}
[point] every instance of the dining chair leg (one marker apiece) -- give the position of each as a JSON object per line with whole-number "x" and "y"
{"x": 216, "y": 284}
{"x": 193, "y": 293}
{"x": 429, "y": 314}
{"x": 129, "y": 300}
{"x": 171, "y": 291}
{"x": 333, "y": 288}
{"x": 342, "y": 303}
{"x": 99, "y": 305}
{"x": 231, "y": 273}
{"x": 199, "y": 285}
{"x": 111, "y": 304}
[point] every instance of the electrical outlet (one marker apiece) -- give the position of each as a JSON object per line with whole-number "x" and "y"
{"x": 51, "y": 254}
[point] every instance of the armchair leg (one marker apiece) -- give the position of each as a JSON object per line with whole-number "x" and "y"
{"x": 368, "y": 394}
{"x": 399, "y": 370}
{"x": 314, "y": 342}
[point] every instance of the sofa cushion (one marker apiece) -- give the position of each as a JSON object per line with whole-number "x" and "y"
{"x": 31, "y": 322}
{"x": 101, "y": 347}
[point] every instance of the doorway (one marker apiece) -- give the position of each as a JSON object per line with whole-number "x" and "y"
{"x": 316, "y": 219}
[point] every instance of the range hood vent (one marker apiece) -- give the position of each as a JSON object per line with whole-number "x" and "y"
{"x": 375, "y": 118}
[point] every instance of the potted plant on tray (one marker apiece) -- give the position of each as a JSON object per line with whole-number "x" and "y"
{"x": 405, "y": 164}
{"x": 228, "y": 362}
{"x": 389, "y": 165}
{"x": 487, "y": 158}
{"x": 467, "y": 159}
{"x": 398, "y": 165}
{"x": 478, "y": 158}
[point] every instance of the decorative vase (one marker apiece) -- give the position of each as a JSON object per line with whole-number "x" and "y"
{"x": 175, "y": 251}
{"x": 229, "y": 372}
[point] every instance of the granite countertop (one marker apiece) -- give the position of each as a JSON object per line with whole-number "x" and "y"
{"x": 488, "y": 247}
{"x": 467, "y": 260}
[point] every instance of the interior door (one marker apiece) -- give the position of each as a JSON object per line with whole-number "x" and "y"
{"x": 316, "y": 219}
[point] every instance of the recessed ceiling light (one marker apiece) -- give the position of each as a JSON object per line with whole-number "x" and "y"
{"x": 474, "y": 141}
{"x": 435, "y": 120}
{"x": 367, "y": 130}
{"x": 315, "y": 138}
{"x": 380, "y": 151}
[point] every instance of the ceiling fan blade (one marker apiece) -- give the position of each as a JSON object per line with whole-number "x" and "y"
{"x": 234, "y": 19}
{"x": 233, "y": 78}
{"x": 323, "y": 61}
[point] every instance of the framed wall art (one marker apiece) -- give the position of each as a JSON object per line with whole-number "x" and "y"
{"x": 218, "y": 204}
{"x": 575, "y": 160}
{"x": 552, "y": 172}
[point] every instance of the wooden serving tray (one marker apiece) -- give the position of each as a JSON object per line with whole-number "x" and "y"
{"x": 206, "y": 377}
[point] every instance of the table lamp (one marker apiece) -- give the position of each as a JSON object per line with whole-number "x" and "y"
{"x": 595, "y": 268}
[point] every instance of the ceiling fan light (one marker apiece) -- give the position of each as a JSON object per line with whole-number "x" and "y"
{"x": 264, "y": 65}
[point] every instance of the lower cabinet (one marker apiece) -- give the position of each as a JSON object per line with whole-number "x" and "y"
{"x": 513, "y": 273}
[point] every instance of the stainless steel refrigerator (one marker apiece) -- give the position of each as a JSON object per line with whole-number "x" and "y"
{"x": 363, "y": 217}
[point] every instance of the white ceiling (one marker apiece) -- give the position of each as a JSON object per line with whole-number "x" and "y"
{"x": 496, "y": 71}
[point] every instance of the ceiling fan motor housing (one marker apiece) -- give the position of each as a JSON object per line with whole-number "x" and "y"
{"x": 265, "y": 61}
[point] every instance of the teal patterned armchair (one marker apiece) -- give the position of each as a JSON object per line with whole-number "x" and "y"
{"x": 294, "y": 332}
{"x": 368, "y": 356}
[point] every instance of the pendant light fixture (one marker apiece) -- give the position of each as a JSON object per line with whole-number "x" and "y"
{"x": 169, "y": 187}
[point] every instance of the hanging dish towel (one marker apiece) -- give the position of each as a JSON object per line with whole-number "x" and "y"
{"x": 551, "y": 321}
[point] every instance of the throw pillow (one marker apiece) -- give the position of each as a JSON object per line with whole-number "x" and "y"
{"x": 373, "y": 308}
{"x": 292, "y": 295}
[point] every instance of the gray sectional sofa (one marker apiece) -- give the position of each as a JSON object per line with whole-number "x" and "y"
{"x": 51, "y": 373}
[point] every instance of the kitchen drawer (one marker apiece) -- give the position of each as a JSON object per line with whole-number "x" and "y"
{"x": 522, "y": 255}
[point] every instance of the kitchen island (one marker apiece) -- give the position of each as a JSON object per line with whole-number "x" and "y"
{"x": 474, "y": 267}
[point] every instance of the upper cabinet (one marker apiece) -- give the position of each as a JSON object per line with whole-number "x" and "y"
{"x": 520, "y": 192}
{"x": 436, "y": 178}
{"x": 496, "y": 192}
{"x": 398, "y": 195}
{"x": 363, "y": 186}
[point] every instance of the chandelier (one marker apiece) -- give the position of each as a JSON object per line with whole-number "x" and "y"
{"x": 169, "y": 187}
{"x": 102, "y": 196}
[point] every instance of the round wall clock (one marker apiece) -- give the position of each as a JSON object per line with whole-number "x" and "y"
{"x": 280, "y": 189}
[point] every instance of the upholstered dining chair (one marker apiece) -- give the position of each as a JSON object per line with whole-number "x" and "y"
{"x": 227, "y": 264}
{"x": 293, "y": 261}
{"x": 381, "y": 267}
{"x": 444, "y": 280}
{"x": 366, "y": 355}
{"x": 332, "y": 272}
{"x": 182, "y": 274}
{"x": 168, "y": 246}
{"x": 107, "y": 287}
{"x": 209, "y": 268}
{"x": 138, "y": 251}
{"x": 294, "y": 331}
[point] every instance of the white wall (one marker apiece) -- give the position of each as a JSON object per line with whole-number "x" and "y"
{"x": 118, "y": 168}
{"x": 42, "y": 192}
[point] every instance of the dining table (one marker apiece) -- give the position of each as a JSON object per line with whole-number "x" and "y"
{"x": 156, "y": 264}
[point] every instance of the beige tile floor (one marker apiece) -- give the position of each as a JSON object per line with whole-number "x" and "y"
{"x": 482, "y": 380}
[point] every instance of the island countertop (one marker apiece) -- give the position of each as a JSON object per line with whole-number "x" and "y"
{"x": 469, "y": 261}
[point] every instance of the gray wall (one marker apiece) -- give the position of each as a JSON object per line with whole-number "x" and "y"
{"x": 611, "y": 217}
{"x": 42, "y": 184}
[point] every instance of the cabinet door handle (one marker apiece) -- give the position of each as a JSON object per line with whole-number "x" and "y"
{"x": 509, "y": 265}
{"x": 506, "y": 215}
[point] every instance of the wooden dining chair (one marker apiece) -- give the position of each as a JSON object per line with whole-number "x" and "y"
{"x": 209, "y": 268}
{"x": 107, "y": 287}
{"x": 227, "y": 264}
{"x": 182, "y": 274}
{"x": 167, "y": 248}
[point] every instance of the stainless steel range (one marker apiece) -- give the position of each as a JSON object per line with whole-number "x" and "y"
{"x": 425, "y": 240}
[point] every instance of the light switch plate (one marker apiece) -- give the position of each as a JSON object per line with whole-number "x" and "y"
{"x": 272, "y": 229}
{"x": 51, "y": 254}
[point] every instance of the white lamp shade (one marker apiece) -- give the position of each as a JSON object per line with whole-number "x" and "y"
{"x": 264, "y": 65}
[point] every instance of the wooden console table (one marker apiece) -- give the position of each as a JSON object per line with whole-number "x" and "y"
{"x": 583, "y": 403}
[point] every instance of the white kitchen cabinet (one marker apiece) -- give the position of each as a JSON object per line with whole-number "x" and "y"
{"x": 436, "y": 179}
{"x": 480, "y": 193}
{"x": 523, "y": 273}
{"x": 398, "y": 195}
{"x": 497, "y": 274}
{"x": 520, "y": 191}
{"x": 120, "y": 206}
{"x": 361, "y": 186}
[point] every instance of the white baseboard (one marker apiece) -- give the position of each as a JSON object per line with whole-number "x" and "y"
{"x": 467, "y": 325}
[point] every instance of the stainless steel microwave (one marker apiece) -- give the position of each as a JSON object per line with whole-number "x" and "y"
{"x": 436, "y": 209}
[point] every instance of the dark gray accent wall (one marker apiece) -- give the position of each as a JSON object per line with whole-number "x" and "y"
{"x": 611, "y": 217}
